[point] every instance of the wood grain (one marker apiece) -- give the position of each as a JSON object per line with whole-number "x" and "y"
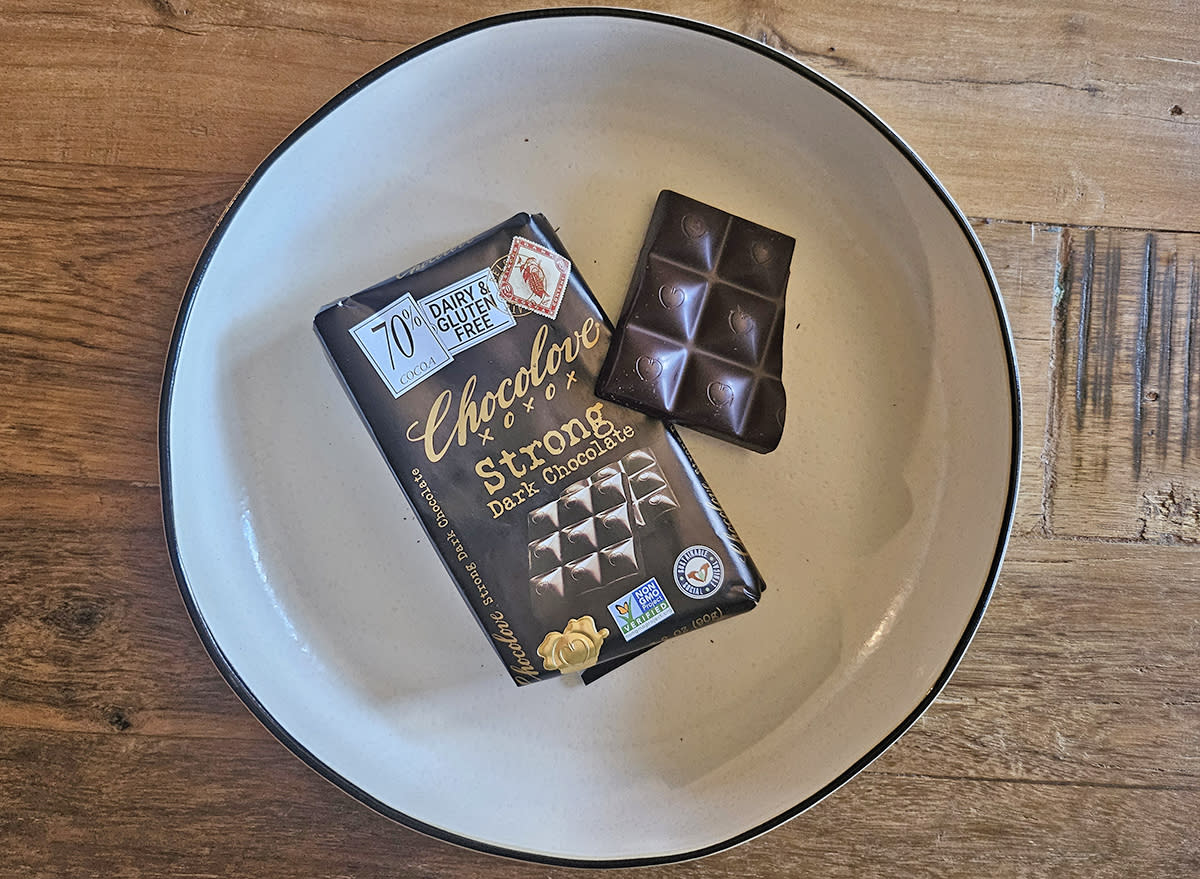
{"x": 1058, "y": 624}
{"x": 1023, "y": 257}
{"x": 194, "y": 807}
{"x": 1007, "y": 103}
{"x": 1126, "y": 387}
{"x": 110, "y": 647}
{"x": 92, "y": 264}
{"x": 1015, "y": 127}
{"x": 1068, "y": 742}
{"x": 93, "y": 259}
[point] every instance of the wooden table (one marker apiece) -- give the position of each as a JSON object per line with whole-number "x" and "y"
{"x": 1068, "y": 743}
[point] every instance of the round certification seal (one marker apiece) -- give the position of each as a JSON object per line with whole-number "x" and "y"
{"x": 698, "y": 572}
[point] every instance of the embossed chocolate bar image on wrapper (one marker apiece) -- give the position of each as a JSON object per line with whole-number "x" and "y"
{"x": 596, "y": 536}
{"x": 578, "y": 531}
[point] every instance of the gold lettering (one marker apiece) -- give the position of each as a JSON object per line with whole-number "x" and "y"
{"x": 554, "y": 442}
{"x": 507, "y": 458}
{"x": 535, "y": 355}
{"x": 601, "y": 426}
{"x": 487, "y": 408}
{"x": 570, "y": 348}
{"x": 534, "y": 460}
{"x": 589, "y": 333}
{"x": 472, "y": 414}
{"x": 508, "y": 638}
{"x": 521, "y": 382}
{"x": 575, "y": 431}
{"x": 554, "y": 357}
{"x": 468, "y": 412}
{"x": 493, "y": 479}
{"x": 437, "y": 414}
{"x": 505, "y": 401}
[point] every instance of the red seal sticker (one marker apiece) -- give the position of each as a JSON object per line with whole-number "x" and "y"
{"x": 534, "y": 277}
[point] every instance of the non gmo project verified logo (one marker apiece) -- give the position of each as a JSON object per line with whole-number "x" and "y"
{"x": 642, "y": 608}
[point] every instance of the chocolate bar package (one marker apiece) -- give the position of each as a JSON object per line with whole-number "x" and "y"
{"x": 579, "y": 532}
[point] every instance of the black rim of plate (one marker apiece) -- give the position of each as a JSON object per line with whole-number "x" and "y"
{"x": 243, "y": 691}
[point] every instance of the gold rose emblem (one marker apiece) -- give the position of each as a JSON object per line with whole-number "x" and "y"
{"x": 575, "y": 648}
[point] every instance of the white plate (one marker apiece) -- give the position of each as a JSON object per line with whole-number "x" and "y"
{"x": 878, "y": 523}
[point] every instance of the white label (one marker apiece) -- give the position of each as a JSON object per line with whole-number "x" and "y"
{"x": 401, "y": 345}
{"x": 467, "y": 312}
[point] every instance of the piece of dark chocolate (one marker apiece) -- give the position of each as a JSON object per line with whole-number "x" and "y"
{"x": 700, "y": 338}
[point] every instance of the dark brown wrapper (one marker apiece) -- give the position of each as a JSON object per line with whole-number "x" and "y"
{"x": 579, "y": 532}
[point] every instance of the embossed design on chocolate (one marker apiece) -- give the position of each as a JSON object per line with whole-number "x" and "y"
{"x": 648, "y": 368}
{"x": 551, "y": 582}
{"x": 740, "y": 321}
{"x": 693, "y": 226}
{"x": 720, "y": 394}
{"x": 544, "y": 519}
{"x": 720, "y": 351}
{"x": 670, "y": 297}
{"x": 657, "y": 504}
{"x": 545, "y": 554}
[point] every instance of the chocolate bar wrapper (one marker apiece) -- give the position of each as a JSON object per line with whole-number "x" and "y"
{"x": 579, "y": 532}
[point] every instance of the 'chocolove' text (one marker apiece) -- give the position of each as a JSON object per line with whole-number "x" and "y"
{"x": 593, "y": 430}
{"x": 437, "y": 436}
